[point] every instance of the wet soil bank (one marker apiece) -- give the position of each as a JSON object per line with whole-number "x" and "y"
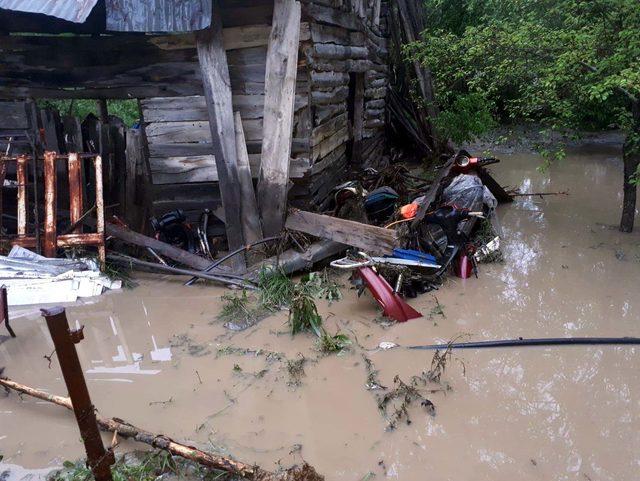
{"x": 157, "y": 357}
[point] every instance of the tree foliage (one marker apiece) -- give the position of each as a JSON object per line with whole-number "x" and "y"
{"x": 565, "y": 63}
{"x": 127, "y": 110}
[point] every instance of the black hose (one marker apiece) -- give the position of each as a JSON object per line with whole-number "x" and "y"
{"x": 231, "y": 254}
{"x": 550, "y": 341}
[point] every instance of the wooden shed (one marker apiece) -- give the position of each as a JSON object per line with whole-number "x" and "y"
{"x": 308, "y": 79}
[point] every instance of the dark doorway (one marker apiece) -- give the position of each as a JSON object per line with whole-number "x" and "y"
{"x": 355, "y": 106}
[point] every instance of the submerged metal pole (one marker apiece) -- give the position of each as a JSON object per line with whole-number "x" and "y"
{"x": 98, "y": 459}
{"x": 4, "y": 310}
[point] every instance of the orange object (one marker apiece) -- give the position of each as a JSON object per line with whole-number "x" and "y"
{"x": 409, "y": 211}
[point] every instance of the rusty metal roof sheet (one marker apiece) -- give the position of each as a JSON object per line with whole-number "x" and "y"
{"x": 75, "y": 11}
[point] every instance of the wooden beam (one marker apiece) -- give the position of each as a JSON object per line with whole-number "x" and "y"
{"x": 280, "y": 87}
{"x": 251, "y": 227}
{"x": 217, "y": 89}
{"x": 434, "y": 191}
{"x": 372, "y": 239}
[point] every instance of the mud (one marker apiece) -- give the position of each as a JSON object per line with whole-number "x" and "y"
{"x": 158, "y": 357}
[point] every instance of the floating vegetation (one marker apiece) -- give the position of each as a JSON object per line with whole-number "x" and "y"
{"x": 436, "y": 311}
{"x": 485, "y": 234}
{"x": 240, "y": 311}
{"x": 275, "y": 289}
{"x": 303, "y": 312}
{"x": 270, "y": 356}
{"x": 394, "y": 404}
{"x": 321, "y": 286}
{"x": 295, "y": 369}
{"x": 329, "y": 344}
{"x": 188, "y": 345}
{"x": 373, "y": 383}
{"x": 141, "y": 466}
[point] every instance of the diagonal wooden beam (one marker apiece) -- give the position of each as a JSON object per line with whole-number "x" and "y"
{"x": 217, "y": 90}
{"x": 251, "y": 227}
{"x": 280, "y": 86}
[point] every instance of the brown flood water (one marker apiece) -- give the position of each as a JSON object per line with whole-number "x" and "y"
{"x": 562, "y": 413}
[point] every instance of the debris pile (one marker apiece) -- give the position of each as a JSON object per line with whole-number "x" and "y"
{"x": 408, "y": 237}
{"x": 33, "y": 279}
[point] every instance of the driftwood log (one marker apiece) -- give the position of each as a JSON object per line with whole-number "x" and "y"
{"x": 159, "y": 441}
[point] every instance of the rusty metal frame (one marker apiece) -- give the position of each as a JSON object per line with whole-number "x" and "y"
{"x": 64, "y": 339}
{"x": 52, "y": 241}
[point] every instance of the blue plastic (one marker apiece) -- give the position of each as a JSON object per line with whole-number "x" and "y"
{"x": 414, "y": 255}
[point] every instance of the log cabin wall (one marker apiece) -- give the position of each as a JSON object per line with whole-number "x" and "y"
{"x": 340, "y": 43}
{"x": 181, "y": 161}
{"x": 346, "y": 65}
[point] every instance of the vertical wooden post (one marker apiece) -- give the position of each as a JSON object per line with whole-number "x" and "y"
{"x": 103, "y": 112}
{"x": 50, "y": 221}
{"x": 100, "y": 209}
{"x": 217, "y": 90}
{"x": 75, "y": 191}
{"x": 280, "y": 87}
{"x": 3, "y": 174}
{"x": 64, "y": 338}
{"x": 21, "y": 177}
{"x": 251, "y": 227}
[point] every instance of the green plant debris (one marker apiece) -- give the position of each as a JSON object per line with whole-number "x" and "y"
{"x": 436, "y": 311}
{"x": 394, "y": 404}
{"x": 241, "y": 311}
{"x": 141, "y": 466}
{"x": 270, "y": 356}
{"x": 303, "y": 312}
{"x": 188, "y": 345}
{"x": 321, "y": 286}
{"x": 329, "y": 344}
{"x": 275, "y": 288}
{"x": 373, "y": 382}
{"x": 295, "y": 370}
{"x": 117, "y": 273}
{"x": 483, "y": 235}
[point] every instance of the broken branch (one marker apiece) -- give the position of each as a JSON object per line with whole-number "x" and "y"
{"x": 126, "y": 430}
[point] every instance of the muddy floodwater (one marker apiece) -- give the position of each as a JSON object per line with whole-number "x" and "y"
{"x": 157, "y": 357}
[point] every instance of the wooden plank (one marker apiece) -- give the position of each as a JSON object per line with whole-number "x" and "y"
{"x": 434, "y": 190}
{"x": 50, "y": 120}
{"x": 251, "y": 227}
{"x": 372, "y": 239}
{"x": 332, "y": 16}
{"x": 14, "y": 115}
{"x": 172, "y": 132}
{"x": 328, "y": 145}
{"x": 280, "y": 85}
{"x": 255, "y": 36}
{"x": 217, "y": 89}
{"x": 175, "y": 170}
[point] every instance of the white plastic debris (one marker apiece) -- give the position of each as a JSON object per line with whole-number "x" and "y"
{"x": 386, "y": 345}
{"x": 33, "y": 279}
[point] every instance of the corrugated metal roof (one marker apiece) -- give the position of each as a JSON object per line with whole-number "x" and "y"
{"x": 158, "y": 15}
{"x": 75, "y": 11}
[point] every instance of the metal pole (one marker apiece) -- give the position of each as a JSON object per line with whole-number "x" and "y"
{"x": 98, "y": 459}
{"x": 4, "y": 310}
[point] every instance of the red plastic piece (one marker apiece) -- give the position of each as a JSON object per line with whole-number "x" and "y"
{"x": 464, "y": 266}
{"x": 393, "y": 306}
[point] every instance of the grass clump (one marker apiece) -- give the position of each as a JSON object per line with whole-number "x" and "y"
{"x": 329, "y": 344}
{"x": 275, "y": 288}
{"x": 139, "y": 466}
{"x": 321, "y": 286}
